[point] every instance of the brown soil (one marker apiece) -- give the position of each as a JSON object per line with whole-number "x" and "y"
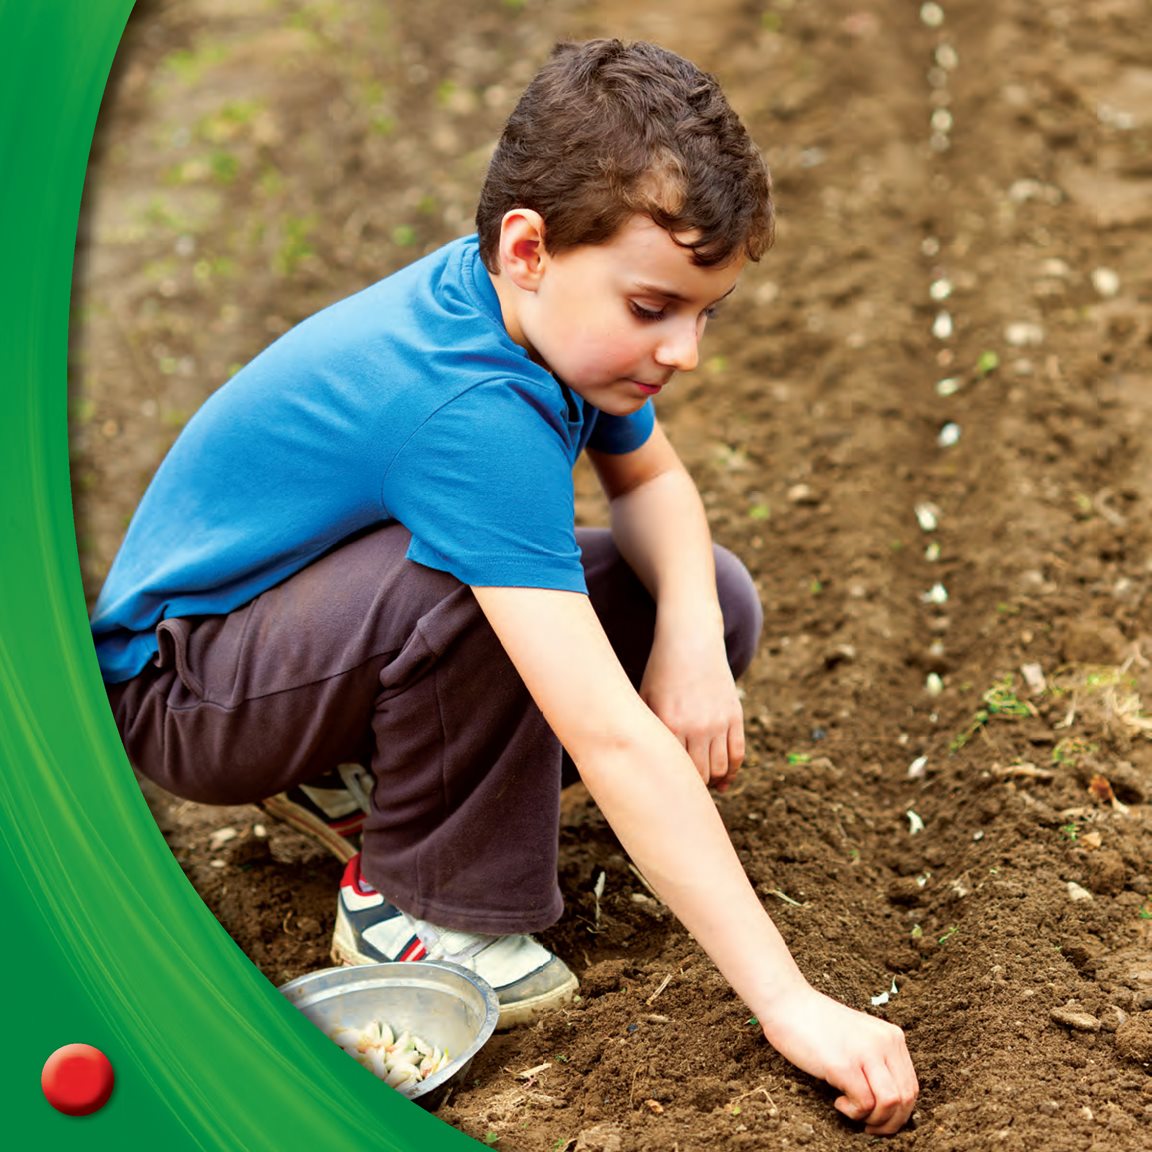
{"x": 258, "y": 160}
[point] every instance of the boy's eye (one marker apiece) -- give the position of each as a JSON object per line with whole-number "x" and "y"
{"x": 642, "y": 313}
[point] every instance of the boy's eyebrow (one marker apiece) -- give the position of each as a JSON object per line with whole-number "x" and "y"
{"x": 669, "y": 294}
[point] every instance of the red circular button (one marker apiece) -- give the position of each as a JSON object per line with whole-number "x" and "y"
{"x": 77, "y": 1079}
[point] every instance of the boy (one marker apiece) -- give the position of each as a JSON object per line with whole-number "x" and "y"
{"x": 361, "y": 551}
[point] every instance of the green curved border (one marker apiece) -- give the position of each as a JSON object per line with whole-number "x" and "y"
{"x": 105, "y": 942}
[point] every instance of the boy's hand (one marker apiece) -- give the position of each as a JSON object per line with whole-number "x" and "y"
{"x": 864, "y": 1057}
{"x": 689, "y": 686}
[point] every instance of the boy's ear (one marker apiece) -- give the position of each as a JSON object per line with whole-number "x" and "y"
{"x": 522, "y": 251}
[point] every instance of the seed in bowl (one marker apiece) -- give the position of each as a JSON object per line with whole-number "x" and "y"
{"x": 400, "y": 1061}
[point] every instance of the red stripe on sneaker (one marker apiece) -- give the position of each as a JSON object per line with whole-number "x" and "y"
{"x": 351, "y": 877}
{"x": 413, "y": 950}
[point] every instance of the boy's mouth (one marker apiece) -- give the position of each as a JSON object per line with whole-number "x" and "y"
{"x": 649, "y": 389}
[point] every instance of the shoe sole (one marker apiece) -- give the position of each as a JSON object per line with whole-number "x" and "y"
{"x": 525, "y": 1011}
{"x": 311, "y": 826}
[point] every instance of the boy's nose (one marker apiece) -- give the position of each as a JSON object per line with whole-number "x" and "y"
{"x": 680, "y": 348}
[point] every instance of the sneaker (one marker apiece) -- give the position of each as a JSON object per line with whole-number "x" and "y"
{"x": 329, "y": 809}
{"x": 528, "y": 979}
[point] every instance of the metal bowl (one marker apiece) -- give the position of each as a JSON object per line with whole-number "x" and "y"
{"x": 442, "y": 1003}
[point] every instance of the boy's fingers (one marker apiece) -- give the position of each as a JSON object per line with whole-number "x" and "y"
{"x": 699, "y": 751}
{"x": 857, "y": 1102}
{"x": 894, "y": 1092}
{"x": 718, "y": 758}
{"x": 735, "y": 748}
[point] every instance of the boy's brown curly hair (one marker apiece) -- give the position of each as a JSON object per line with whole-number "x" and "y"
{"x": 607, "y": 130}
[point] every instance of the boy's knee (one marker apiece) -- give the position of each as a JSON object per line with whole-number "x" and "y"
{"x": 740, "y": 604}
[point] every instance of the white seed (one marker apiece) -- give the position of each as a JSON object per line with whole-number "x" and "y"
{"x": 942, "y": 120}
{"x": 942, "y": 326}
{"x": 933, "y": 685}
{"x": 949, "y": 435}
{"x": 401, "y": 1077}
{"x": 400, "y": 1061}
{"x": 1023, "y": 333}
{"x": 946, "y": 56}
{"x": 940, "y": 289}
{"x": 937, "y": 594}
{"x": 948, "y": 386}
{"x": 405, "y": 1063}
{"x": 932, "y": 14}
{"x": 1105, "y": 281}
{"x": 927, "y": 516}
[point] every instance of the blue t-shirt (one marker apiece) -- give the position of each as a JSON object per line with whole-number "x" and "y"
{"x": 407, "y": 401}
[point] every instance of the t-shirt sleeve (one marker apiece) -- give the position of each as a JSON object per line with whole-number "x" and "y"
{"x": 485, "y": 487}
{"x": 620, "y": 434}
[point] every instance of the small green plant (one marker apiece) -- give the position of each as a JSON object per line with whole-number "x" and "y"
{"x": 999, "y": 700}
{"x": 799, "y": 758}
{"x": 1072, "y": 750}
{"x": 295, "y": 245}
{"x": 987, "y": 363}
{"x": 948, "y": 935}
{"x": 1146, "y": 909}
{"x": 224, "y": 166}
{"x": 1070, "y": 832}
{"x": 491, "y": 1138}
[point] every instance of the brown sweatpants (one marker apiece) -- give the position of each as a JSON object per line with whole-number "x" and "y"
{"x": 365, "y": 656}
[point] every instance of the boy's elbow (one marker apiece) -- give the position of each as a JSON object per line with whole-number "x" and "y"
{"x": 633, "y": 747}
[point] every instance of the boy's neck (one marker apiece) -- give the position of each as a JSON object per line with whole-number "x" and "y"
{"x": 508, "y": 295}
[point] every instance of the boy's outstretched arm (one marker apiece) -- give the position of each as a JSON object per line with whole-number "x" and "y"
{"x": 650, "y": 792}
{"x": 659, "y": 525}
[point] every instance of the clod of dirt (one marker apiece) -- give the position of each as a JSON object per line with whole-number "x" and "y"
{"x": 606, "y": 976}
{"x": 803, "y": 1133}
{"x": 1092, "y": 641}
{"x": 601, "y": 1138}
{"x": 1134, "y": 1038}
{"x": 1075, "y": 1018}
{"x": 1107, "y": 873}
{"x": 906, "y": 892}
{"x": 709, "y": 1094}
